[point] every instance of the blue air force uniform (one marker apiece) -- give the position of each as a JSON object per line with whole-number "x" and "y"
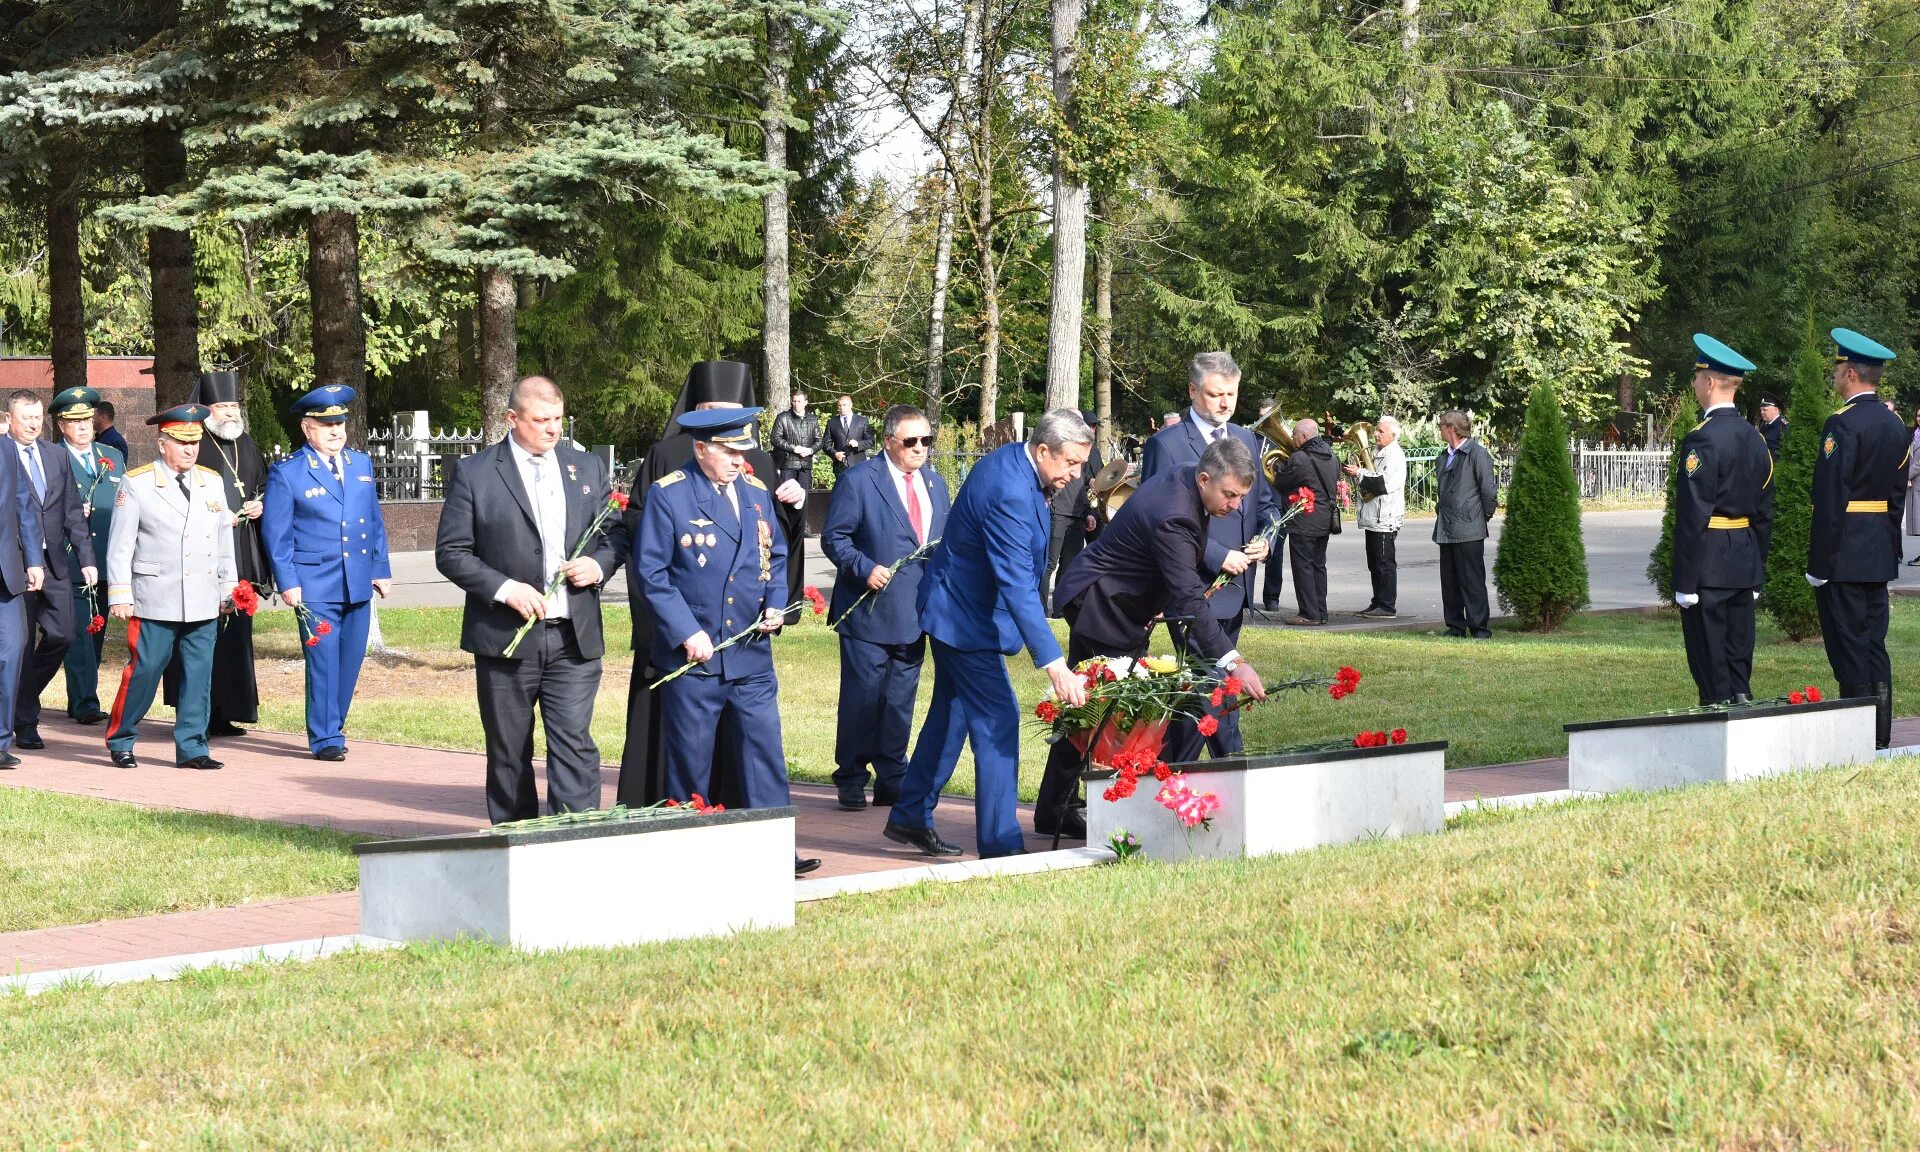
{"x": 97, "y": 471}
{"x": 1859, "y": 498}
{"x": 1722, "y": 526}
{"x": 326, "y": 539}
{"x": 704, "y": 566}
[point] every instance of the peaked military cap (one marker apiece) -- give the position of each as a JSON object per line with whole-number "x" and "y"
{"x": 327, "y": 403}
{"x": 1714, "y": 356}
{"x": 75, "y": 404}
{"x": 728, "y": 427}
{"x": 182, "y": 422}
{"x": 1857, "y": 349}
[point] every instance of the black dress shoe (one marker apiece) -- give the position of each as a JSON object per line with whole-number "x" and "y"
{"x": 28, "y": 738}
{"x": 1073, "y": 826}
{"x": 201, "y": 764}
{"x": 335, "y": 753}
{"x": 9, "y": 760}
{"x": 802, "y": 867}
{"x": 123, "y": 760}
{"x": 925, "y": 839}
{"x": 1482, "y": 634}
{"x": 853, "y": 799}
{"x": 224, "y": 728}
{"x": 1461, "y": 632}
{"x": 93, "y": 717}
{"x": 885, "y": 799}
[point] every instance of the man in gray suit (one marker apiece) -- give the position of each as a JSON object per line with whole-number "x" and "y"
{"x": 1467, "y": 500}
{"x": 170, "y": 573}
{"x": 514, "y": 513}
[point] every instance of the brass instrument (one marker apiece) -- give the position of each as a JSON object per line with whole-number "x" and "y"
{"x": 1280, "y": 437}
{"x": 1360, "y": 435}
{"x": 1111, "y": 486}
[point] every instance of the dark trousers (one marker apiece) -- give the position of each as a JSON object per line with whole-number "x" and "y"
{"x": 235, "y": 695}
{"x": 739, "y": 717}
{"x": 878, "y": 683}
{"x": 1184, "y": 742}
{"x": 1308, "y": 555}
{"x": 973, "y": 701}
{"x": 50, "y": 628}
{"x": 803, "y": 475}
{"x": 1061, "y": 783}
{"x": 550, "y": 672}
{"x": 1069, "y": 539}
{"x": 1463, "y": 587}
{"x": 151, "y": 646}
{"x": 1719, "y": 635}
{"x": 83, "y": 659}
{"x": 1384, "y": 569}
{"x": 13, "y": 656}
{"x": 1276, "y": 578}
{"x": 1853, "y": 623}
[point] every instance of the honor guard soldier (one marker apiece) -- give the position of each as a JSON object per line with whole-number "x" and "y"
{"x": 712, "y": 563}
{"x": 328, "y": 546}
{"x": 169, "y": 574}
{"x": 97, "y": 472}
{"x": 1722, "y": 524}
{"x": 1859, "y": 496}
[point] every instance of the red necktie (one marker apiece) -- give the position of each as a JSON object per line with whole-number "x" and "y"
{"x": 913, "y": 511}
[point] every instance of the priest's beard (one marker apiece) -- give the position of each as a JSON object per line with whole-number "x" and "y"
{"x": 228, "y": 429}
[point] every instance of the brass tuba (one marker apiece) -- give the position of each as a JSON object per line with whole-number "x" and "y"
{"x": 1360, "y": 435}
{"x": 1280, "y": 437}
{"x": 1111, "y": 486}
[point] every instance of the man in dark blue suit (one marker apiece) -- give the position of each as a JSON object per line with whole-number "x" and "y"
{"x": 1147, "y": 563}
{"x": 1213, "y": 384}
{"x": 882, "y": 511}
{"x": 980, "y": 603}
{"x": 21, "y": 546}
{"x": 52, "y": 619}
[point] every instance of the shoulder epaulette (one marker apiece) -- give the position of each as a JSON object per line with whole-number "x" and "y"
{"x": 204, "y": 468}
{"x": 144, "y": 468}
{"x": 670, "y": 478}
{"x": 755, "y": 481}
{"x": 1698, "y": 426}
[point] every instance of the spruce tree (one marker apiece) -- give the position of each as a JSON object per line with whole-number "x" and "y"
{"x": 1660, "y": 564}
{"x": 1541, "y": 569}
{"x": 1788, "y": 598}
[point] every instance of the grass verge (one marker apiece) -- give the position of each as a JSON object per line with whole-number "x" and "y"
{"x": 1725, "y": 967}
{"x": 74, "y": 860}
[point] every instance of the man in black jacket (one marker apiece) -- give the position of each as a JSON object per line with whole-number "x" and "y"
{"x": 796, "y": 440}
{"x": 1773, "y": 426}
{"x": 849, "y": 437}
{"x": 1468, "y": 497}
{"x": 52, "y": 621}
{"x": 1148, "y": 562}
{"x": 513, "y": 515}
{"x": 1313, "y": 467}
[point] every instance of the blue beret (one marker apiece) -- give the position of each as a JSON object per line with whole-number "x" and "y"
{"x": 1859, "y": 349}
{"x": 327, "y": 403}
{"x": 729, "y": 427}
{"x": 1717, "y": 357}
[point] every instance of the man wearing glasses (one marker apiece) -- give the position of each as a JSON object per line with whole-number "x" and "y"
{"x": 882, "y": 511}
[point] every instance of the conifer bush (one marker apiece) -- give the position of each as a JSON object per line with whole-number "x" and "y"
{"x": 1541, "y": 569}
{"x": 1660, "y": 564}
{"x": 1787, "y": 597}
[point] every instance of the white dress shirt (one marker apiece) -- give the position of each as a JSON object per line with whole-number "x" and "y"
{"x": 905, "y": 481}
{"x": 548, "y": 495}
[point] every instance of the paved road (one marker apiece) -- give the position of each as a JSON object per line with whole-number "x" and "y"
{"x": 1618, "y": 544}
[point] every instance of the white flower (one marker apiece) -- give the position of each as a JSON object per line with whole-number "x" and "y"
{"x": 1122, "y": 667}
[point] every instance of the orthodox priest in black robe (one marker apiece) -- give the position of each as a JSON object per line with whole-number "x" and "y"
{"x": 229, "y": 450}
{"x": 710, "y": 384}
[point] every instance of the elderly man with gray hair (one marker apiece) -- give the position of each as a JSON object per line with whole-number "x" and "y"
{"x": 1467, "y": 499}
{"x": 1383, "y": 507}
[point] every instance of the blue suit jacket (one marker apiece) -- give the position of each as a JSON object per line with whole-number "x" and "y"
{"x": 1180, "y": 446}
{"x": 20, "y": 534}
{"x": 728, "y": 592}
{"x": 867, "y": 526}
{"x": 981, "y": 592}
{"x": 324, "y": 537}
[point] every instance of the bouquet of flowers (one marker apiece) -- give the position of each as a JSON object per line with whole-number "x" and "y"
{"x": 1300, "y": 503}
{"x": 913, "y": 557}
{"x": 616, "y": 503}
{"x": 811, "y": 597}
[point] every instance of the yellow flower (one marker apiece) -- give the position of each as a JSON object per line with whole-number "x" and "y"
{"x": 1162, "y": 665}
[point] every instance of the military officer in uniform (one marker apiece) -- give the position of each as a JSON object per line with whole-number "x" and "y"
{"x": 328, "y": 546}
{"x": 1859, "y": 497}
{"x": 1773, "y": 426}
{"x": 711, "y": 562}
{"x": 169, "y": 575}
{"x": 1722, "y": 523}
{"x": 98, "y": 470}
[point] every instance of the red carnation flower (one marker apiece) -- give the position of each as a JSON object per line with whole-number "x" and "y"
{"x": 1348, "y": 677}
{"x": 1796, "y": 697}
{"x": 313, "y": 641}
{"x": 1363, "y": 740}
{"x": 818, "y": 601}
{"x": 618, "y": 500}
{"x": 245, "y": 599}
{"x": 1207, "y": 726}
{"x": 106, "y": 464}
{"x": 747, "y": 468}
{"x": 1108, "y": 675}
{"x": 1218, "y": 697}
{"x": 1161, "y": 771}
{"x": 1047, "y": 710}
{"x": 1232, "y": 686}
{"x": 1399, "y": 736}
{"x": 97, "y": 625}
{"x": 1813, "y": 694}
{"x": 673, "y": 803}
{"x": 1338, "y": 691}
{"x": 322, "y": 628}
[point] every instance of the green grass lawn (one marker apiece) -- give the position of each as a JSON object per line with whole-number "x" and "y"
{"x": 1721, "y": 968}
{"x": 1496, "y": 701}
{"x": 73, "y": 860}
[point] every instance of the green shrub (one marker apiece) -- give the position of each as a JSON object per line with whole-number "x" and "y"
{"x": 1541, "y": 570}
{"x": 1787, "y": 597}
{"x": 1660, "y": 564}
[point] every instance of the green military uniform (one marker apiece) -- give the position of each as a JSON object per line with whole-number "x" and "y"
{"x": 97, "y": 471}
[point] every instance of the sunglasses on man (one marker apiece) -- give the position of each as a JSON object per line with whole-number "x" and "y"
{"x": 915, "y": 441}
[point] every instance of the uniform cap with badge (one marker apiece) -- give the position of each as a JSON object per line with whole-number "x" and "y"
{"x": 328, "y": 404}
{"x": 183, "y": 422}
{"x": 1715, "y": 356}
{"x": 1853, "y": 348}
{"x": 727, "y": 427}
{"x": 75, "y": 404}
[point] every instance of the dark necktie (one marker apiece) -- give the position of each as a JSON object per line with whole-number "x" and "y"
{"x": 334, "y": 465}
{"x": 185, "y": 492}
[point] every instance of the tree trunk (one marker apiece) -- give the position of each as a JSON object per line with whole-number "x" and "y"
{"x": 1069, "y": 222}
{"x": 1103, "y": 320}
{"x": 1410, "y": 45}
{"x": 776, "y": 277}
{"x": 339, "y": 328}
{"x": 69, "y": 318}
{"x": 176, "y": 326}
{"x": 983, "y": 235}
{"x": 498, "y": 360}
{"x": 957, "y": 112}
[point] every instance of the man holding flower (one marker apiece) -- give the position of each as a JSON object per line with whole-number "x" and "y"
{"x": 527, "y": 533}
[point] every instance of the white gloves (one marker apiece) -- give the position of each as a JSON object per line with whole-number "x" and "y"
{"x": 1686, "y": 599}
{"x": 1814, "y": 580}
